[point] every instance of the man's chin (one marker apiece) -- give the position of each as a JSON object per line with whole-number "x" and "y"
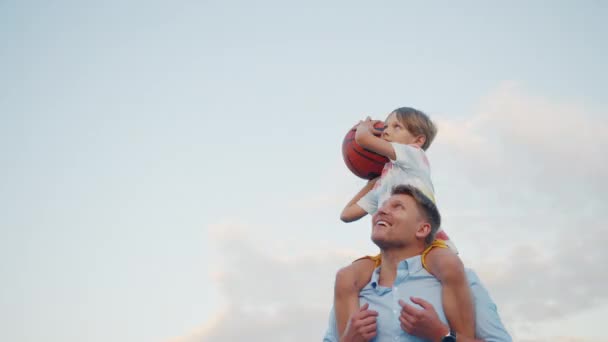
{"x": 380, "y": 241}
{"x": 385, "y": 243}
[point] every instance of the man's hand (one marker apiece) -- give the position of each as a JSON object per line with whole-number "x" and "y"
{"x": 361, "y": 327}
{"x": 424, "y": 322}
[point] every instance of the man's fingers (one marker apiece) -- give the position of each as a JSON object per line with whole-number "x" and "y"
{"x": 366, "y": 317}
{"x": 366, "y": 327}
{"x": 410, "y": 309}
{"x": 370, "y": 328}
{"x": 368, "y": 332}
{"x": 421, "y": 302}
{"x": 405, "y": 325}
{"x": 367, "y": 313}
{"x": 408, "y": 317}
{"x": 369, "y": 336}
{"x": 369, "y": 318}
{"x": 361, "y": 324}
{"x": 363, "y": 314}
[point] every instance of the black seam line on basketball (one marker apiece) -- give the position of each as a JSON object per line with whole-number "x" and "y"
{"x": 366, "y": 157}
{"x": 350, "y": 162}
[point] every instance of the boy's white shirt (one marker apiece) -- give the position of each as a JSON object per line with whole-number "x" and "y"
{"x": 410, "y": 167}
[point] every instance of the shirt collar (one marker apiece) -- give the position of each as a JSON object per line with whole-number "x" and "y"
{"x": 405, "y": 268}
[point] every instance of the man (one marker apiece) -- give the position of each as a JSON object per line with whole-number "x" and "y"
{"x": 402, "y": 302}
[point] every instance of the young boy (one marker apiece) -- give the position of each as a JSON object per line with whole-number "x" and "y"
{"x": 407, "y": 134}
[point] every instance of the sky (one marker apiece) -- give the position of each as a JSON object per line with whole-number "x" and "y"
{"x": 172, "y": 171}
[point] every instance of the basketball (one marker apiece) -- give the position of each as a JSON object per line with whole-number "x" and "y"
{"x": 363, "y": 163}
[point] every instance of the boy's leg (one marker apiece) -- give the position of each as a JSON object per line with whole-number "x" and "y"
{"x": 349, "y": 282}
{"x": 446, "y": 266}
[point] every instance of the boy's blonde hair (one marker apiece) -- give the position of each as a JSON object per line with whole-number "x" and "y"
{"x": 417, "y": 123}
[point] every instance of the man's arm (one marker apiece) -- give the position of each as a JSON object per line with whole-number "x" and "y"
{"x": 488, "y": 324}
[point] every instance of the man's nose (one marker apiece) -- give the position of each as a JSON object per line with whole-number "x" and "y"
{"x": 383, "y": 209}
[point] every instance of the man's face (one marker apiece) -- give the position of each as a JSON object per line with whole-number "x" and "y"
{"x": 398, "y": 223}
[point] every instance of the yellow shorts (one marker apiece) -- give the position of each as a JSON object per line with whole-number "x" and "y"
{"x": 377, "y": 259}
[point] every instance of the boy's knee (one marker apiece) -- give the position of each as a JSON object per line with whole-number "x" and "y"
{"x": 450, "y": 268}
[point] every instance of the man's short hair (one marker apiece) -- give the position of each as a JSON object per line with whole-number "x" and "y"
{"x": 425, "y": 205}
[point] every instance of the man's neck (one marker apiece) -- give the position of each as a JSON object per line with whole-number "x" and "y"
{"x": 390, "y": 261}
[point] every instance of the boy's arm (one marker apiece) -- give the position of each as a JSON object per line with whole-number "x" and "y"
{"x": 352, "y": 211}
{"x": 365, "y": 137}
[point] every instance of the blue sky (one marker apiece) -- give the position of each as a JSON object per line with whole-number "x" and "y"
{"x": 146, "y": 146}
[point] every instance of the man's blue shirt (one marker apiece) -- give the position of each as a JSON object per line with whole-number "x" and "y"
{"x": 414, "y": 281}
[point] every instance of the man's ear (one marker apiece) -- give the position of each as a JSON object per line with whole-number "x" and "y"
{"x": 424, "y": 229}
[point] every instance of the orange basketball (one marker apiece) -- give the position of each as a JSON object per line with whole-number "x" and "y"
{"x": 363, "y": 163}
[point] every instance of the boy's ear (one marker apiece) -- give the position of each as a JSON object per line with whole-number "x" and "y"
{"x": 420, "y": 140}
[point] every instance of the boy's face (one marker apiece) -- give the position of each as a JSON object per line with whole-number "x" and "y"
{"x": 395, "y": 131}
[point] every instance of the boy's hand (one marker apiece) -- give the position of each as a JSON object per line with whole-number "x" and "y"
{"x": 368, "y": 124}
{"x": 361, "y": 326}
{"x": 424, "y": 322}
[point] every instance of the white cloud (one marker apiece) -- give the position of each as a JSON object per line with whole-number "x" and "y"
{"x": 270, "y": 296}
{"x": 547, "y": 283}
{"x": 517, "y": 139}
